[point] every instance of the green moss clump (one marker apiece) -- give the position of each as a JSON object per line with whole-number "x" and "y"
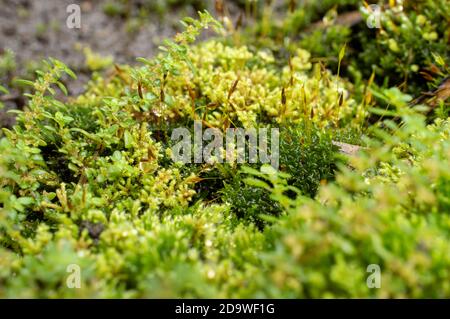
{"x": 89, "y": 183}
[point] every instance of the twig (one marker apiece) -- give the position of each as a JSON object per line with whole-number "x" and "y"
{"x": 348, "y": 149}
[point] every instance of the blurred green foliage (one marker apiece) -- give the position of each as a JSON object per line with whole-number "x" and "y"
{"x": 409, "y": 48}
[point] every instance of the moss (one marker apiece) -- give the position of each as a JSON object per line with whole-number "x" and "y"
{"x": 89, "y": 181}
